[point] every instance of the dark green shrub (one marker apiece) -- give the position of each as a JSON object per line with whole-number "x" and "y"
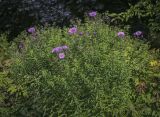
{"x": 18, "y": 15}
{"x": 144, "y": 16}
{"x": 99, "y": 76}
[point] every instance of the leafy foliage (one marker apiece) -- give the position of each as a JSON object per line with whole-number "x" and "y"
{"x": 144, "y": 16}
{"x": 17, "y": 15}
{"x": 5, "y": 81}
{"x": 101, "y": 74}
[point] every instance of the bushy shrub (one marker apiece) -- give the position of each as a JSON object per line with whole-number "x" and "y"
{"x": 96, "y": 73}
{"x": 5, "y": 81}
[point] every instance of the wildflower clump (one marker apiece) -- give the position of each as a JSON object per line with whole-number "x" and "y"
{"x": 60, "y": 51}
{"x": 96, "y": 74}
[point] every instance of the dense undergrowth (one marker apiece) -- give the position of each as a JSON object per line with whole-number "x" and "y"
{"x": 85, "y": 71}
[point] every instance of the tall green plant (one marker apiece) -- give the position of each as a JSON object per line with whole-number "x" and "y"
{"x": 96, "y": 75}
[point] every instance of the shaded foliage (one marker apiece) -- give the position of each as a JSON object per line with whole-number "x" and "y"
{"x": 144, "y": 16}
{"x": 17, "y": 15}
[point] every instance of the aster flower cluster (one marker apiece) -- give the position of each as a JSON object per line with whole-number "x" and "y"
{"x": 60, "y": 51}
{"x": 137, "y": 34}
{"x": 73, "y": 30}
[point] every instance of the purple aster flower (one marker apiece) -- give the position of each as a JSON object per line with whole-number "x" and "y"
{"x": 61, "y": 55}
{"x": 59, "y": 49}
{"x": 93, "y": 14}
{"x": 138, "y": 34}
{"x": 121, "y": 34}
{"x": 65, "y": 47}
{"x": 81, "y": 33}
{"x": 32, "y": 30}
{"x": 72, "y": 30}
